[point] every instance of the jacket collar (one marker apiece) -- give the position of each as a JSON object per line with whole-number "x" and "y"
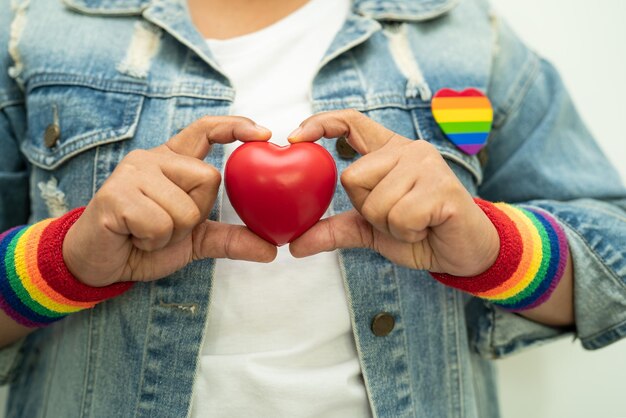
{"x": 403, "y": 10}
{"x": 399, "y": 10}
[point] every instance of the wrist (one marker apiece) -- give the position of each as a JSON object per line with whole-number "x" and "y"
{"x": 71, "y": 258}
{"x": 53, "y": 264}
{"x": 530, "y": 263}
{"x": 490, "y": 246}
{"x": 36, "y": 286}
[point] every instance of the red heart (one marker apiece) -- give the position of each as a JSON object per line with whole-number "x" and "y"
{"x": 280, "y": 192}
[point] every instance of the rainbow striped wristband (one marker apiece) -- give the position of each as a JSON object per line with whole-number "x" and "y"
{"x": 530, "y": 264}
{"x": 36, "y": 287}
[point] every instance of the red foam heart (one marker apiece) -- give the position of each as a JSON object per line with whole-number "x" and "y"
{"x": 280, "y": 192}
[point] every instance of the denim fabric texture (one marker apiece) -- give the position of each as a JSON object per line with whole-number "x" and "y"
{"x": 119, "y": 75}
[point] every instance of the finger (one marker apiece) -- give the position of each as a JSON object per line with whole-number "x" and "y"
{"x": 362, "y": 176}
{"x": 195, "y": 177}
{"x": 409, "y": 219}
{"x": 428, "y": 204}
{"x": 149, "y": 224}
{"x": 346, "y": 230}
{"x": 186, "y": 172}
{"x": 181, "y": 208}
{"x": 196, "y": 139}
{"x": 200, "y": 180}
{"x": 361, "y": 132}
{"x": 218, "y": 240}
{"x": 378, "y": 204}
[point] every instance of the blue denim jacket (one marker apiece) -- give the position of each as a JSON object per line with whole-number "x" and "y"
{"x": 116, "y": 75}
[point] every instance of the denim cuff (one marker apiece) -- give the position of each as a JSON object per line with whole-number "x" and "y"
{"x": 495, "y": 333}
{"x": 599, "y": 298}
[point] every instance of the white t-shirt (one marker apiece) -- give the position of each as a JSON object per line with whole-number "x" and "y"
{"x": 278, "y": 340}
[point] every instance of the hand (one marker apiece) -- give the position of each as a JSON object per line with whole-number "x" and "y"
{"x": 410, "y": 207}
{"x": 149, "y": 219}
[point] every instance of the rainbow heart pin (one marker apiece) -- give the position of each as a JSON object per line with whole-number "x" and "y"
{"x": 465, "y": 117}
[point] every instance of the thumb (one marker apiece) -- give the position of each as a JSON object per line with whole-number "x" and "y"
{"x": 218, "y": 240}
{"x": 346, "y": 230}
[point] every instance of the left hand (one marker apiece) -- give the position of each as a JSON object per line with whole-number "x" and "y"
{"x": 410, "y": 206}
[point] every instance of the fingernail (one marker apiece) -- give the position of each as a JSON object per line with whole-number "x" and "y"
{"x": 294, "y": 134}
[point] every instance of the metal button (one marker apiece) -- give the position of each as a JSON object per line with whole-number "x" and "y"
{"x": 344, "y": 149}
{"x": 51, "y": 135}
{"x": 383, "y": 324}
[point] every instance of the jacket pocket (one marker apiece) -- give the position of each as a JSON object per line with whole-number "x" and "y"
{"x": 65, "y": 120}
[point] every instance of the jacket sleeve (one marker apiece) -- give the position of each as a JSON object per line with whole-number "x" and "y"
{"x": 540, "y": 154}
{"x": 14, "y": 170}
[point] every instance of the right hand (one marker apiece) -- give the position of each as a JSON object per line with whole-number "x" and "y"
{"x": 149, "y": 219}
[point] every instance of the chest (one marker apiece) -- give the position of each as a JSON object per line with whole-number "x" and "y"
{"x": 101, "y": 86}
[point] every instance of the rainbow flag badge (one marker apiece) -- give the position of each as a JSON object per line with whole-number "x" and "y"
{"x": 465, "y": 117}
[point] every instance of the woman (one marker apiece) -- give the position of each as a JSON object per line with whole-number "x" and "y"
{"x": 122, "y": 110}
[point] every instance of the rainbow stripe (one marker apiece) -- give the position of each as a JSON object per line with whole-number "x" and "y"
{"x": 532, "y": 259}
{"x": 548, "y": 253}
{"x": 36, "y": 289}
{"x": 465, "y": 117}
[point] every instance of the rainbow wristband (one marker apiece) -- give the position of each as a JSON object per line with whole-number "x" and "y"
{"x": 530, "y": 264}
{"x": 36, "y": 287}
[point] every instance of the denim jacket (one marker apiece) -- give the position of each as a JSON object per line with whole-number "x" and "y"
{"x": 83, "y": 82}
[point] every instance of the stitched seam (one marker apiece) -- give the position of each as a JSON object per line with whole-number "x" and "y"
{"x": 145, "y": 349}
{"x": 607, "y": 269}
{"x": 357, "y": 69}
{"x": 603, "y": 331}
{"x": 110, "y": 12}
{"x": 418, "y": 17}
{"x": 517, "y": 93}
{"x": 404, "y": 335}
{"x": 41, "y": 78}
{"x": 456, "y": 295}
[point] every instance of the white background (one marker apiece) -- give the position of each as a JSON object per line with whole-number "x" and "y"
{"x": 586, "y": 40}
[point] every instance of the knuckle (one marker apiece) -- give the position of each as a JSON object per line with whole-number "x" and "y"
{"x": 205, "y": 120}
{"x": 205, "y": 124}
{"x": 211, "y": 175}
{"x": 106, "y": 194}
{"x": 161, "y": 230}
{"x": 242, "y": 120}
{"x": 191, "y": 218}
{"x": 450, "y": 210}
{"x": 349, "y": 177}
{"x": 372, "y": 213}
{"x": 397, "y": 221}
{"x": 113, "y": 193}
{"x": 424, "y": 147}
{"x": 233, "y": 237}
{"x": 352, "y": 114}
